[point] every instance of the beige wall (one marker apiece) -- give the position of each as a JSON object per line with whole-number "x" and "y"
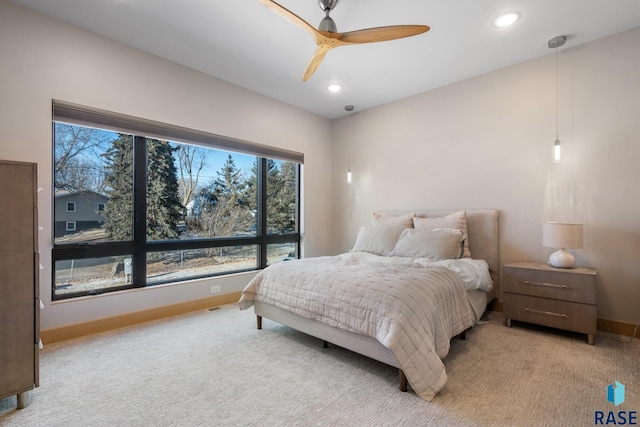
{"x": 43, "y": 59}
{"x": 487, "y": 143}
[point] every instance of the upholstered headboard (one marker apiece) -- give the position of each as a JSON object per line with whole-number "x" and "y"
{"x": 482, "y": 231}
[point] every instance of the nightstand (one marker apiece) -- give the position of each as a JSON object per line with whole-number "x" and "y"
{"x": 556, "y": 297}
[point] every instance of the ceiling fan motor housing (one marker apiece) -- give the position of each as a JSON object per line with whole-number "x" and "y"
{"x": 327, "y": 4}
{"x": 328, "y": 24}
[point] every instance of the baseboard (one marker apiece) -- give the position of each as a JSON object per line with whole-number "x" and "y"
{"x": 73, "y": 331}
{"x": 619, "y": 328}
{"x": 604, "y": 325}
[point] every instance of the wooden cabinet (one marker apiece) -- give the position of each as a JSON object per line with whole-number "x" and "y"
{"x": 556, "y": 297}
{"x": 19, "y": 272}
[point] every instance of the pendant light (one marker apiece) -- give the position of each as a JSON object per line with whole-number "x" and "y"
{"x": 555, "y": 43}
{"x": 350, "y": 108}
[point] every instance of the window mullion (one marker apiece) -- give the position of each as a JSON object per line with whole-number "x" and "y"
{"x": 262, "y": 212}
{"x": 298, "y": 216}
{"x": 139, "y": 210}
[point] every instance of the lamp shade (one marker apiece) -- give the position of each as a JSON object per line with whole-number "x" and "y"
{"x": 561, "y": 235}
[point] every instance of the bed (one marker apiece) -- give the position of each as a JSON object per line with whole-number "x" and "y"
{"x": 337, "y": 299}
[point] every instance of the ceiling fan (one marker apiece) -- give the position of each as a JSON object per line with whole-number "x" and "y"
{"x": 327, "y": 36}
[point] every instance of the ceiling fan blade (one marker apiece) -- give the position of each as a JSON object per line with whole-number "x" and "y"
{"x": 315, "y": 61}
{"x": 380, "y": 34}
{"x": 289, "y": 16}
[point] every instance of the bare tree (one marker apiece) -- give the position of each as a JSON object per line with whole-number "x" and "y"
{"x": 191, "y": 162}
{"x": 78, "y": 162}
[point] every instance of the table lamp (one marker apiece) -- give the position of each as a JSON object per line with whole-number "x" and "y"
{"x": 563, "y": 236}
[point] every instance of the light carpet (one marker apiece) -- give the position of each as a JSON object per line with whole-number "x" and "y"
{"x": 211, "y": 368}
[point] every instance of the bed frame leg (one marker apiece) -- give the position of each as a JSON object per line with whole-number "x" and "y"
{"x": 259, "y": 321}
{"x": 403, "y": 381}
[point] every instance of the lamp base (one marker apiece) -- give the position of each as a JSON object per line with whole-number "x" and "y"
{"x": 562, "y": 259}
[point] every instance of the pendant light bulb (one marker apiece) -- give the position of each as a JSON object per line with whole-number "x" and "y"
{"x": 556, "y": 151}
{"x": 349, "y": 175}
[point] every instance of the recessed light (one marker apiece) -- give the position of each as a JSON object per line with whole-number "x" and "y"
{"x": 334, "y": 88}
{"x": 506, "y": 19}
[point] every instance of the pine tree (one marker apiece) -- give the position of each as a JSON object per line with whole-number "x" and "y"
{"x": 281, "y": 195}
{"x": 274, "y": 204}
{"x": 229, "y": 183}
{"x": 227, "y": 211}
{"x": 164, "y": 209}
{"x": 287, "y": 197}
{"x": 118, "y": 211}
{"x": 252, "y": 188}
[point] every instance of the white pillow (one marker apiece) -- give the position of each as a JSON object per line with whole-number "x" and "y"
{"x": 439, "y": 244}
{"x": 377, "y": 240}
{"x": 457, "y": 220}
{"x": 403, "y": 221}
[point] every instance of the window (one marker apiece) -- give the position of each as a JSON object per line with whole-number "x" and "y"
{"x": 71, "y": 206}
{"x": 203, "y": 205}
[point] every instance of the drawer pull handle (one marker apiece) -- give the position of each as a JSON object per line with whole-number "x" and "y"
{"x": 549, "y": 285}
{"x": 548, "y": 313}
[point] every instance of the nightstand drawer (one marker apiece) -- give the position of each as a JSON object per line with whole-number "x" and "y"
{"x": 570, "y": 316}
{"x": 554, "y": 284}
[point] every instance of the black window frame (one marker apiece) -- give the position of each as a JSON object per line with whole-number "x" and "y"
{"x": 139, "y": 247}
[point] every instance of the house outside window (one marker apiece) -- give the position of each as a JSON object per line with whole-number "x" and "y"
{"x": 70, "y": 226}
{"x": 168, "y": 209}
{"x": 71, "y": 207}
{"x": 84, "y": 215}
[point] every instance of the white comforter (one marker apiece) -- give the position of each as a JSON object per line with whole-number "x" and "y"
{"x": 411, "y": 306}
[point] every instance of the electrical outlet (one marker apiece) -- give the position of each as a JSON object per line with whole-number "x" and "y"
{"x": 215, "y": 289}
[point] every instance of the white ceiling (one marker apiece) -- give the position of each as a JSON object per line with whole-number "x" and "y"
{"x": 245, "y": 43}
